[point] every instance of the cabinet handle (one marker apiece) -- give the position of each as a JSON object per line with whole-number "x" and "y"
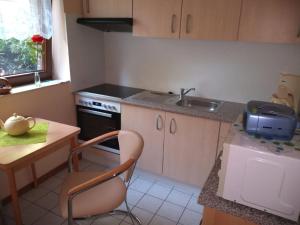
{"x": 87, "y": 4}
{"x": 159, "y": 120}
{"x": 173, "y": 28}
{"x": 188, "y": 23}
{"x": 298, "y": 35}
{"x": 171, "y": 126}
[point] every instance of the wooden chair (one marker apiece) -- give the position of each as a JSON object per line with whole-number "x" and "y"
{"x": 86, "y": 194}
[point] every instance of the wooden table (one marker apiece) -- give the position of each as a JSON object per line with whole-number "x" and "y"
{"x": 17, "y": 157}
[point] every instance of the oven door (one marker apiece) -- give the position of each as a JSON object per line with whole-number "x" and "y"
{"x": 94, "y": 122}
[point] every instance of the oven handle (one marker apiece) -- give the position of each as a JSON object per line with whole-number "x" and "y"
{"x": 96, "y": 113}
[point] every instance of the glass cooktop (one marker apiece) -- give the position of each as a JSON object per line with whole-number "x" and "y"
{"x": 112, "y": 90}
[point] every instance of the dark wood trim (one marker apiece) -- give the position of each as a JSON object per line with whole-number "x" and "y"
{"x": 27, "y": 78}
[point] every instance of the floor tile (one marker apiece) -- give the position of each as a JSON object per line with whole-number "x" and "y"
{"x": 158, "y": 220}
{"x": 7, "y": 221}
{"x": 57, "y": 190}
{"x": 49, "y": 219}
{"x": 164, "y": 181}
{"x": 193, "y": 205}
{"x": 179, "y": 198}
{"x": 170, "y": 211}
{"x": 35, "y": 194}
{"x": 32, "y": 213}
{"x": 123, "y": 206}
{"x": 190, "y": 218}
{"x": 150, "y": 203}
{"x": 141, "y": 185}
{"x": 189, "y": 189}
{"x": 107, "y": 220}
{"x": 56, "y": 210}
{"x": 95, "y": 168}
{"x": 134, "y": 196}
{"x": 159, "y": 191}
{"x": 87, "y": 221}
{"x": 143, "y": 215}
{"x": 8, "y": 211}
{"x": 84, "y": 164}
{"x": 62, "y": 174}
{"x": 48, "y": 201}
{"x": 51, "y": 183}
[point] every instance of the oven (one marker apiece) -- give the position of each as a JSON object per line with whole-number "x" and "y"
{"x": 96, "y": 117}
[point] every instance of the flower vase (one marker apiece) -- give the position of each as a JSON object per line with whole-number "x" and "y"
{"x": 37, "y": 79}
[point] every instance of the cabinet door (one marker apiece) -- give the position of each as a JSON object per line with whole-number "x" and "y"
{"x": 210, "y": 19}
{"x": 270, "y": 21}
{"x": 73, "y": 7}
{"x": 107, "y": 8}
{"x": 157, "y": 18}
{"x": 190, "y": 148}
{"x": 150, "y": 124}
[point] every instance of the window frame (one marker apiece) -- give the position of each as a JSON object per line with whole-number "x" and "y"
{"x": 27, "y": 78}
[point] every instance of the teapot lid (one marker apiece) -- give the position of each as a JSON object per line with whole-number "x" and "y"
{"x": 15, "y": 118}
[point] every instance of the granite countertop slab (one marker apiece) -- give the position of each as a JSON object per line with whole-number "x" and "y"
{"x": 228, "y": 112}
{"x": 208, "y": 198}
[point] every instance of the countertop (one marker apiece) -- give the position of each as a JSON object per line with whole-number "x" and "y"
{"x": 208, "y": 198}
{"x": 228, "y": 112}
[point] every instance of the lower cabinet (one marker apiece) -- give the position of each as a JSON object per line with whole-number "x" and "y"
{"x": 150, "y": 124}
{"x": 190, "y": 148}
{"x": 178, "y": 146}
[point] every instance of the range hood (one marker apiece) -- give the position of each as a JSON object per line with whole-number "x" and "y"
{"x": 108, "y": 24}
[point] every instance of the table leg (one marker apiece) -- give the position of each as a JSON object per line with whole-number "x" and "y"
{"x": 33, "y": 171}
{"x": 75, "y": 157}
{"x": 1, "y": 213}
{"x": 14, "y": 196}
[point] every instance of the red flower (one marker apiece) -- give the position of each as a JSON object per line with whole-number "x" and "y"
{"x": 37, "y": 38}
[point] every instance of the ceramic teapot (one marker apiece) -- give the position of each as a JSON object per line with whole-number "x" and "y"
{"x": 17, "y": 125}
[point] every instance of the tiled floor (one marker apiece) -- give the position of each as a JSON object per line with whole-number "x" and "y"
{"x": 154, "y": 199}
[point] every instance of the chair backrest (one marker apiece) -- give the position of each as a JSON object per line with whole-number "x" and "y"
{"x": 131, "y": 146}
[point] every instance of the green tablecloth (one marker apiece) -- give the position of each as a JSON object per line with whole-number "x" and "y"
{"x": 36, "y": 135}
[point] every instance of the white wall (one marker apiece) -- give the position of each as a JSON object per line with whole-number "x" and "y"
{"x": 86, "y": 54}
{"x": 60, "y": 54}
{"x": 233, "y": 71}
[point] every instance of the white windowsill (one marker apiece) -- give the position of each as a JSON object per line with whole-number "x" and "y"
{"x": 30, "y": 87}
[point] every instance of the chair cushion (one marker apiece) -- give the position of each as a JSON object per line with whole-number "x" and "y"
{"x": 100, "y": 199}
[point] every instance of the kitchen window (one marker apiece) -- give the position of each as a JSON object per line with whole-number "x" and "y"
{"x": 21, "y": 53}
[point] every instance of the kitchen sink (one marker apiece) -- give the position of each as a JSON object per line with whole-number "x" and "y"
{"x": 205, "y": 104}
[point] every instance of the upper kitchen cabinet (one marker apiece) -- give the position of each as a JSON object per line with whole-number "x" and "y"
{"x": 99, "y": 8}
{"x": 276, "y": 21}
{"x": 210, "y": 19}
{"x": 73, "y": 6}
{"x": 107, "y": 8}
{"x": 157, "y": 18}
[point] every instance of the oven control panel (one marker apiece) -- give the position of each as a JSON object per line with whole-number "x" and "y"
{"x": 98, "y": 104}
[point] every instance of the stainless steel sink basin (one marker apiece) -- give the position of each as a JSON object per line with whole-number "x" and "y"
{"x": 205, "y": 104}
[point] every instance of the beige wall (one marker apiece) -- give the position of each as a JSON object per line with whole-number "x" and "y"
{"x": 54, "y": 103}
{"x": 235, "y": 71}
{"x": 86, "y": 54}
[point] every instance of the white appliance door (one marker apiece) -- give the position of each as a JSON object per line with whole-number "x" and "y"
{"x": 263, "y": 183}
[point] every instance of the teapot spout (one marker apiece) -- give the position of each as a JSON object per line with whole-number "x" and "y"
{"x": 1, "y": 124}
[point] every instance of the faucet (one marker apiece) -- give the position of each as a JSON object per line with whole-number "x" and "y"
{"x": 184, "y": 92}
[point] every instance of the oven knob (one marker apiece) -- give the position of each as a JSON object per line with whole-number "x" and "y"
{"x": 109, "y": 107}
{"x": 105, "y": 106}
{"x": 114, "y": 108}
